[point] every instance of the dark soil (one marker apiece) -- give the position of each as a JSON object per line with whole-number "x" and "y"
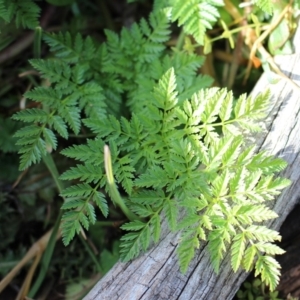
{"x": 290, "y": 261}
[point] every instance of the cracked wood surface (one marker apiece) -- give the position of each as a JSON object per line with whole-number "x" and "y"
{"x": 155, "y": 275}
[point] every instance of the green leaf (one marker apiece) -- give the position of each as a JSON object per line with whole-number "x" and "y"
{"x": 28, "y": 131}
{"x": 71, "y": 116}
{"x": 133, "y": 242}
{"x": 230, "y": 156}
{"x": 184, "y": 145}
{"x": 60, "y": 126}
{"x": 149, "y": 197}
{"x": 189, "y": 221}
{"x": 269, "y": 248}
{"x": 50, "y": 138}
{"x": 134, "y": 226}
{"x": 262, "y": 233}
{"x": 165, "y": 93}
{"x": 45, "y": 95}
{"x": 220, "y": 184}
{"x": 53, "y": 69}
{"x": 32, "y": 147}
{"x": 248, "y": 259}
{"x": 24, "y": 12}
{"x": 155, "y": 221}
{"x": 217, "y": 151}
{"x": 124, "y": 173}
{"x": 155, "y": 177}
{"x": 31, "y": 115}
{"x": 226, "y": 108}
{"x": 73, "y": 203}
{"x": 265, "y": 5}
{"x": 88, "y": 173}
{"x": 69, "y": 49}
{"x": 268, "y": 267}
{"x": 90, "y": 212}
{"x": 217, "y": 247}
{"x": 258, "y": 213}
{"x": 70, "y": 226}
{"x": 79, "y": 190}
{"x": 171, "y": 210}
{"x": 196, "y": 16}
{"x": 237, "y": 251}
{"x": 101, "y": 202}
{"x": 186, "y": 252}
{"x": 213, "y": 105}
{"x": 92, "y": 153}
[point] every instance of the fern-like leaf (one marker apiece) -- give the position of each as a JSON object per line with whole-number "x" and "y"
{"x": 32, "y": 145}
{"x": 24, "y": 12}
{"x": 70, "y": 49}
{"x": 269, "y": 268}
{"x": 133, "y": 242}
{"x": 92, "y": 153}
{"x": 170, "y": 154}
{"x": 196, "y": 16}
{"x": 265, "y": 5}
{"x": 80, "y": 212}
{"x": 186, "y": 251}
{"x": 237, "y": 250}
{"x": 171, "y": 210}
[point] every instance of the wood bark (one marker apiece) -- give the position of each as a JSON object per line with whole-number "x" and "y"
{"x": 155, "y": 275}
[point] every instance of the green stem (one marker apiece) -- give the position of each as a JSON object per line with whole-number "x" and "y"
{"x": 37, "y": 42}
{"x": 50, "y": 164}
{"x": 109, "y": 24}
{"x": 46, "y": 258}
{"x": 48, "y": 160}
{"x": 92, "y": 255}
{"x": 180, "y": 40}
{"x": 232, "y": 31}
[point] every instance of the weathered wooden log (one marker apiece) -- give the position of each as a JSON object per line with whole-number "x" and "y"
{"x": 155, "y": 275}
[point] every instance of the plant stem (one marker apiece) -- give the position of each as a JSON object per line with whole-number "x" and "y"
{"x": 109, "y": 24}
{"x": 91, "y": 254}
{"x": 45, "y": 261}
{"x": 37, "y": 42}
{"x": 180, "y": 40}
{"x": 49, "y": 162}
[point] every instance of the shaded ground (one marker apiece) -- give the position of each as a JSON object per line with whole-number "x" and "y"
{"x": 290, "y": 261}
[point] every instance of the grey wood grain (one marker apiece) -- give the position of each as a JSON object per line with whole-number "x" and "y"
{"x": 155, "y": 275}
